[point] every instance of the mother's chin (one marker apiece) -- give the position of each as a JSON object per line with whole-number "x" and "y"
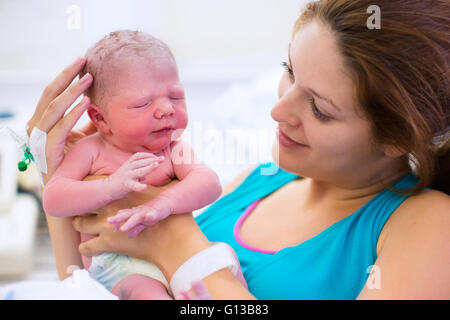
{"x": 289, "y": 159}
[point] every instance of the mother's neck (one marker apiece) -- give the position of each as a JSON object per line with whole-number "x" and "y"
{"x": 359, "y": 187}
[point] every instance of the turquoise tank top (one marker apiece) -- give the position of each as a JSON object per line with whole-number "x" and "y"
{"x": 334, "y": 264}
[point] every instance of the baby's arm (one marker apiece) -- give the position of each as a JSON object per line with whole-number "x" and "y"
{"x": 198, "y": 187}
{"x": 66, "y": 195}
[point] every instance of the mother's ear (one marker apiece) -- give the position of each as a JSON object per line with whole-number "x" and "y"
{"x": 392, "y": 152}
{"x": 97, "y": 116}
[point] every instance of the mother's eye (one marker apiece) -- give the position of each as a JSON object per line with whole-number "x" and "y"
{"x": 288, "y": 69}
{"x": 319, "y": 115}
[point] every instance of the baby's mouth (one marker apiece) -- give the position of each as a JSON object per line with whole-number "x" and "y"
{"x": 164, "y": 130}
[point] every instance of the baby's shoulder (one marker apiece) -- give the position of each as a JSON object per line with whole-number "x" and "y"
{"x": 179, "y": 148}
{"x": 93, "y": 139}
{"x": 91, "y": 145}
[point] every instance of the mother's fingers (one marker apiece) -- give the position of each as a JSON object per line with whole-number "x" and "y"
{"x": 60, "y": 104}
{"x": 62, "y": 80}
{"x": 57, "y": 137}
{"x": 54, "y": 89}
{"x": 89, "y": 224}
{"x": 66, "y": 124}
{"x": 92, "y": 247}
{"x": 200, "y": 292}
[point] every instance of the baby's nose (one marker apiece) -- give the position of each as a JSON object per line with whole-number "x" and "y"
{"x": 164, "y": 109}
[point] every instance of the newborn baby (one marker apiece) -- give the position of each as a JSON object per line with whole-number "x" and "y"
{"x": 138, "y": 106}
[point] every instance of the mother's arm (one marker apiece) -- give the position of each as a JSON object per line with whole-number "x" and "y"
{"x": 414, "y": 257}
{"x": 168, "y": 244}
{"x": 49, "y": 116}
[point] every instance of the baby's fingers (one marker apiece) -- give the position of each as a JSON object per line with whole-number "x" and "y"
{"x": 135, "y": 231}
{"x": 120, "y": 217}
{"x": 133, "y": 221}
{"x": 144, "y": 162}
{"x": 116, "y": 227}
{"x": 135, "y": 186}
{"x": 152, "y": 216}
{"x": 142, "y": 155}
{"x": 142, "y": 172}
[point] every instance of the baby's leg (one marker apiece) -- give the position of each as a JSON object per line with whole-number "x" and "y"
{"x": 140, "y": 287}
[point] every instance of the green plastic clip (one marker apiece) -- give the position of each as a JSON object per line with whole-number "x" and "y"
{"x": 26, "y": 160}
{"x": 27, "y": 156}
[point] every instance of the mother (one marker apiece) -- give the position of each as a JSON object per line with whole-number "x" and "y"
{"x": 357, "y": 108}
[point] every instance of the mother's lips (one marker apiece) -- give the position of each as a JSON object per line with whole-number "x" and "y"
{"x": 286, "y": 140}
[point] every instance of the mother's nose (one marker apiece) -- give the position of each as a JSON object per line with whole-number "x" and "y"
{"x": 163, "y": 109}
{"x": 284, "y": 111}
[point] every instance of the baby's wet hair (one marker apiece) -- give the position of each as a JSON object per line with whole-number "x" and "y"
{"x": 110, "y": 51}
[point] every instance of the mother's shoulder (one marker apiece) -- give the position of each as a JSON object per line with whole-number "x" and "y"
{"x": 426, "y": 201}
{"x": 422, "y": 216}
{"x": 428, "y": 208}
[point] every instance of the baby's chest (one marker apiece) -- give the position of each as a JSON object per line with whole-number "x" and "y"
{"x": 107, "y": 163}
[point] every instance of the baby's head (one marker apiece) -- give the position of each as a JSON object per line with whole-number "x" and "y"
{"x": 135, "y": 92}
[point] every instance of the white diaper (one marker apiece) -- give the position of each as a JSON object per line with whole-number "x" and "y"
{"x": 79, "y": 286}
{"x": 110, "y": 268}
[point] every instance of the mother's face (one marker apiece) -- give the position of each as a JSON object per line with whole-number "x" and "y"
{"x": 316, "y": 108}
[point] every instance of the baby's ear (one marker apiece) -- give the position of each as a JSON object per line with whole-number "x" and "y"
{"x": 97, "y": 116}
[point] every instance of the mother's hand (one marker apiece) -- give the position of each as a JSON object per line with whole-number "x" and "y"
{"x": 57, "y": 97}
{"x": 167, "y": 244}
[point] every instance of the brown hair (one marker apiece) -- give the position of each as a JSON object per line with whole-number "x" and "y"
{"x": 401, "y": 76}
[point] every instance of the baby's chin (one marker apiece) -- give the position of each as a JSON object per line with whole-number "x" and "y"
{"x": 153, "y": 147}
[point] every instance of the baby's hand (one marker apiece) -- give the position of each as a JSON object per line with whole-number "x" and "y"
{"x": 130, "y": 174}
{"x": 140, "y": 217}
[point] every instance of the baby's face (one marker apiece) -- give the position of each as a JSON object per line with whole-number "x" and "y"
{"x": 146, "y": 97}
